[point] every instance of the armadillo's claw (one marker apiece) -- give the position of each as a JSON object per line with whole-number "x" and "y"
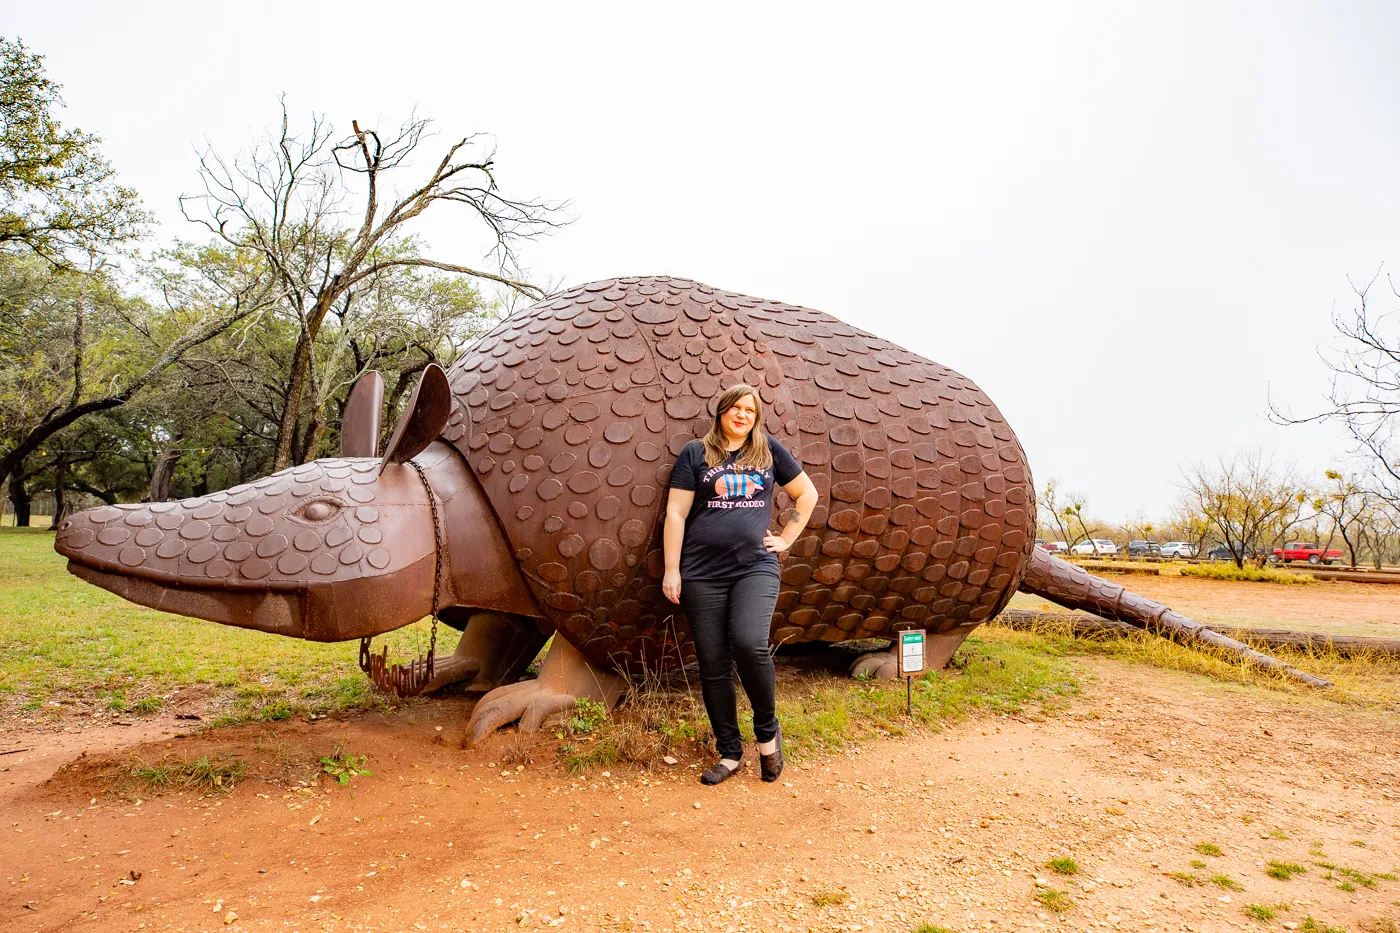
{"x": 876, "y": 665}
{"x": 529, "y": 701}
{"x": 565, "y": 677}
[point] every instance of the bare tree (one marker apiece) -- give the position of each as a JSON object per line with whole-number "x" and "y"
{"x": 1245, "y": 499}
{"x": 1063, "y": 510}
{"x": 1364, "y": 392}
{"x": 286, "y": 205}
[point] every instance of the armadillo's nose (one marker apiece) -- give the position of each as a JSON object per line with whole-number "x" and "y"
{"x": 114, "y": 536}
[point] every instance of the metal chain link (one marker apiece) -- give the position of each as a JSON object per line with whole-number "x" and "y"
{"x": 409, "y": 680}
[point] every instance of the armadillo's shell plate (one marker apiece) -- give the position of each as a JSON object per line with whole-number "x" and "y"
{"x": 572, "y": 412}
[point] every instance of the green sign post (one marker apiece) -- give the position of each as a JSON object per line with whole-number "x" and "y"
{"x": 911, "y": 662}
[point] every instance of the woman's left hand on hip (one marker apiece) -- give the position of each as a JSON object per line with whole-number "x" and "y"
{"x": 775, "y": 543}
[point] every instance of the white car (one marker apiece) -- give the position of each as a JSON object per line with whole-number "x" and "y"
{"x": 1098, "y": 546}
{"x": 1178, "y": 549}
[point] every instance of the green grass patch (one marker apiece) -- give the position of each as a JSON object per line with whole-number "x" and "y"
{"x": 1226, "y": 882}
{"x": 1184, "y": 878}
{"x": 1260, "y": 912}
{"x": 1360, "y": 877}
{"x": 1208, "y": 848}
{"x": 1283, "y": 871}
{"x": 1277, "y": 834}
{"x": 1052, "y": 900}
{"x": 1197, "y": 863}
{"x": 1063, "y": 865}
{"x": 829, "y": 897}
{"x": 344, "y": 766}
{"x": 931, "y": 928}
{"x": 820, "y": 712}
{"x": 1311, "y": 925}
{"x": 204, "y": 774}
{"x": 1251, "y": 574}
{"x": 63, "y": 640}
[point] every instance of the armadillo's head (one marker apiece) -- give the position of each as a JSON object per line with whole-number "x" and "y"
{"x": 329, "y": 550}
{"x": 325, "y": 550}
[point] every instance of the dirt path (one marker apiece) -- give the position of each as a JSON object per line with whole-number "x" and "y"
{"x": 953, "y": 828}
{"x": 1341, "y": 608}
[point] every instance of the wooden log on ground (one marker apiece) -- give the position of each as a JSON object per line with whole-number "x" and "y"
{"x": 1353, "y": 576}
{"x": 1087, "y": 626}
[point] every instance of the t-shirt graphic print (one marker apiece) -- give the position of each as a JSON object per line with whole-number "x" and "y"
{"x": 731, "y": 513}
{"x": 732, "y": 485}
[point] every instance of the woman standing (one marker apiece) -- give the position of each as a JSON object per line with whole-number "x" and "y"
{"x": 722, "y": 567}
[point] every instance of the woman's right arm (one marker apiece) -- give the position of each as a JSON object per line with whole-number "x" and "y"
{"x": 678, "y": 504}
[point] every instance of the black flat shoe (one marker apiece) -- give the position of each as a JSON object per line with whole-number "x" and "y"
{"x": 771, "y": 766}
{"x": 720, "y": 772}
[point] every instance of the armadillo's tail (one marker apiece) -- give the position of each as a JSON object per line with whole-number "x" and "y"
{"x": 1074, "y": 588}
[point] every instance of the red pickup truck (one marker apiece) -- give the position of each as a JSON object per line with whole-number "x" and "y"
{"x": 1301, "y": 550}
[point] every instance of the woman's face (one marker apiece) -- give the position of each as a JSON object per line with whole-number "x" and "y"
{"x": 738, "y": 420}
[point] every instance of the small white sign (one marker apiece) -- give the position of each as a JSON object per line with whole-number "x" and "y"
{"x": 911, "y": 652}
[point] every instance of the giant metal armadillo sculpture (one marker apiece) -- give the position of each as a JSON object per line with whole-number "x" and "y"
{"x": 547, "y": 448}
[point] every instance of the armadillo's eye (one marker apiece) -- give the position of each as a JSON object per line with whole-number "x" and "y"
{"x": 318, "y": 510}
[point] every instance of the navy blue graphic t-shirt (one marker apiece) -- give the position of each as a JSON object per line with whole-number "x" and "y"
{"x": 732, "y": 510}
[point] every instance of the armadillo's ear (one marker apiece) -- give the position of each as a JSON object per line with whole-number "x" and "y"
{"x": 428, "y": 410}
{"x": 359, "y": 427}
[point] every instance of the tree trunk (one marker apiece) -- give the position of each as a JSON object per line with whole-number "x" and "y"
{"x": 60, "y": 491}
{"x": 291, "y": 404}
{"x": 312, "y": 441}
{"x": 163, "y": 473}
{"x": 19, "y": 497}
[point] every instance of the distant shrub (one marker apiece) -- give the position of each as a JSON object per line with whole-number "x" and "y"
{"x": 1228, "y": 571}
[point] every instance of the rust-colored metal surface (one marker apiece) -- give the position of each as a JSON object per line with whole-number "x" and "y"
{"x": 330, "y": 550}
{"x": 572, "y": 412}
{"x": 547, "y": 449}
{"x": 359, "y": 427}
{"x": 563, "y": 423}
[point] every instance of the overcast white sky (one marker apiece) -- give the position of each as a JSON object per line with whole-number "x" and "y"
{"x": 1125, "y": 221}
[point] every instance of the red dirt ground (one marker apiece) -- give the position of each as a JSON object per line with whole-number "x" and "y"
{"x": 952, "y": 828}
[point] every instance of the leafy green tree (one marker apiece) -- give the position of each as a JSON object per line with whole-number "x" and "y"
{"x": 58, "y": 195}
{"x": 76, "y": 343}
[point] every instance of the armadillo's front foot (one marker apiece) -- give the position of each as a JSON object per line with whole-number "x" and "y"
{"x": 876, "y": 665}
{"x": 565, "y": 678}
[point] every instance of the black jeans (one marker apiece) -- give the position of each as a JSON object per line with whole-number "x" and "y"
{"x": 729, "y": 622}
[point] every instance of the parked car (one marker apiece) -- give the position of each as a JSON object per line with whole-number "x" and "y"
{"x": 1310, "y": 552}
{"x": 1144, "y": 549}
{"x": 1178, "y": 549}
{"x": 1056, "y": 547}
{"x": 1223, "y": 552}
{"x": 1101, "y": 547}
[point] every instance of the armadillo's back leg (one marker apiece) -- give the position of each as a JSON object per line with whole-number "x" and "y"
{"x": 1075, "y": 588}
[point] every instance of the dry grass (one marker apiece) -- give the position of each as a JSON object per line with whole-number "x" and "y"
{"x": 1361, "y": 679}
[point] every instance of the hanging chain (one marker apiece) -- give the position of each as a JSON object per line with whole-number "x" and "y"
{"x": 410, "y": 679}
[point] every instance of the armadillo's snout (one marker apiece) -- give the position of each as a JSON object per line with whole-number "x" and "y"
{"x": 310, "y": 551}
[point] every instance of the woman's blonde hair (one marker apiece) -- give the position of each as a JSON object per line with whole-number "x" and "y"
{"x": 753, "y": 453}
